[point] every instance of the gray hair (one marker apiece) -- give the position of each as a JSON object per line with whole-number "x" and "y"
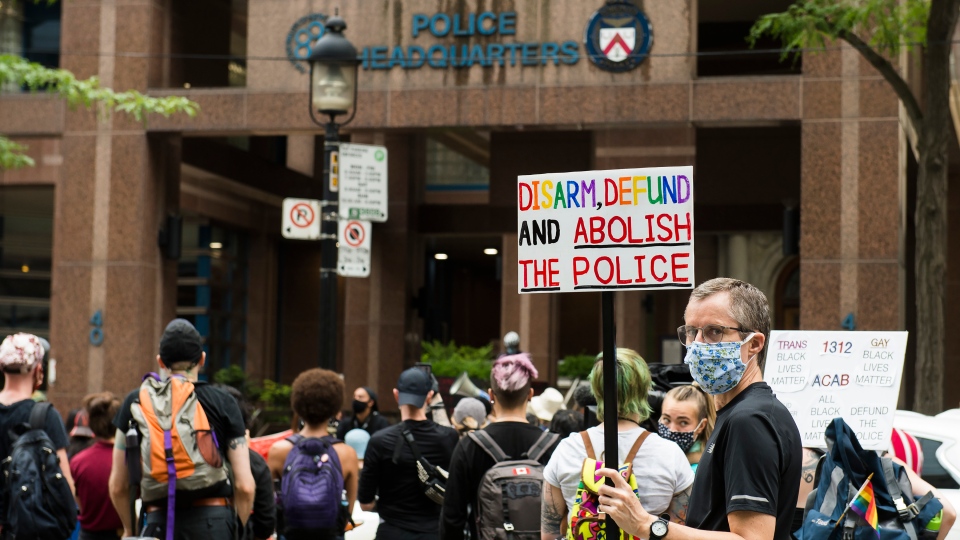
{"x": 748, "y": 306}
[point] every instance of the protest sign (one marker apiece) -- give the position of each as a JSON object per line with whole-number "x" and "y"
{"x": 822, "y": 375}
{"x": 627, "y": 229}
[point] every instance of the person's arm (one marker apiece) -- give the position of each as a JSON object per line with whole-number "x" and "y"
{"x": 369, "y": 476}
{"x": 453, "y": 515}
{"x": 244, "y": 487}
{"x": 678, "y": 506}
{"x": 264, "y": 508}
{"x": 350, "y": 466}
{"x": 119, "y": 484}
{"x": 277, "y": 456}
{"x": 920, "y": 488}
{"x": 65, "y": 469}
{"x": 620, "y": 503}
{"x": 553, "y": 512}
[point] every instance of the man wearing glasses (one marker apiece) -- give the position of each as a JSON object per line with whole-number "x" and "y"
{"x": 748, "y": 477}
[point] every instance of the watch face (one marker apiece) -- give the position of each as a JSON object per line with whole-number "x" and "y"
{"x": 659, "y": 528}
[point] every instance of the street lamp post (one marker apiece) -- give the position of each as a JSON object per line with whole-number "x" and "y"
{"x": 333, "y": 92}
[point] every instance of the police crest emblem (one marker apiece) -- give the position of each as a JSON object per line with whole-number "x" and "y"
{"x": 618, "y": 36}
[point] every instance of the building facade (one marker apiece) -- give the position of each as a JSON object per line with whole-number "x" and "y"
{"x": 803, "y": 179}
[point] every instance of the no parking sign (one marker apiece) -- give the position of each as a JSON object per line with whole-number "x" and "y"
{"x": 353, "y": 255}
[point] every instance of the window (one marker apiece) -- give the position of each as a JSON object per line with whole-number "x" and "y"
{"x": 933, "y": 470}
{"x": 451, "y": 170}
{"x": 722, "y": 30}
{"x": 212, "y": 282}
{"x": 26, "y": 246}
{"x": 30, "y": 30}
{"x": 208, "y": 43}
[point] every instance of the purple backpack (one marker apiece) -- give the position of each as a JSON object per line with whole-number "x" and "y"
{"x": 311, "y": 488}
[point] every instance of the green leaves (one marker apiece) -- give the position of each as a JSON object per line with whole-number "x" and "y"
{"x": 576, "y": 365}
{"x": 887, "y": 25}
{"x": 17, "y": 71}
{"x": 450, "y": 360}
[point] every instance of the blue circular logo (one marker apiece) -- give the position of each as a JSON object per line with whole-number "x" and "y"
{"x": 303, "y": 34}
{"x": 618, "y": 37}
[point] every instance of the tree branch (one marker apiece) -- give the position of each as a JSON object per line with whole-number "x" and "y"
{"x": 900, "y": 86}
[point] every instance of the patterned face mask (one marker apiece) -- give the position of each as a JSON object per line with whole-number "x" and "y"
{"x": 716, "y": 367}
{"x": 684, "y": 439}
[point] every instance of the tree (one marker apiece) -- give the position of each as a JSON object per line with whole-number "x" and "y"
{"x": 879, "y": 30}
{"x": 17, "y": 72}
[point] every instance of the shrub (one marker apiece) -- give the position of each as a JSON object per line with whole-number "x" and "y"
{"x": 576, "y": 365}
{"x": 450, "y": 360}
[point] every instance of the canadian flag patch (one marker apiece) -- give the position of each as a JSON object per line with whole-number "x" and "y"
{"x": 521, "y": 470}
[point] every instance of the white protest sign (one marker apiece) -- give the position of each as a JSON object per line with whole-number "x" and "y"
{"x": 353, "y": 254}
{"x": 301, "y": 219}
{"x": 629, "y": 229}
{"x": 822, "y": 375}
{"x": 363, "y": 182}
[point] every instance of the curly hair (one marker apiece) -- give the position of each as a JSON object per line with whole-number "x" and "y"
{"x": 316, "y": 395}
{"x": 101, "y": 408}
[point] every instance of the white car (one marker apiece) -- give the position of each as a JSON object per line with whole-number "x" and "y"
{"x": 939, "y": 438}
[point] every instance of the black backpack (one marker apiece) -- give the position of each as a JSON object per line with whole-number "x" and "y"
{"x": 39, "y": 503}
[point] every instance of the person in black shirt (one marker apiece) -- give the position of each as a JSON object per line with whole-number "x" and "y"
{"x": 181, "y": 354}
{"x": 510, "y": 381}
{"x": 392, "y": 484}
{"x": 366, "y": 414}
{"x": 21, "y": 359}
{"x": 749, "y": 474}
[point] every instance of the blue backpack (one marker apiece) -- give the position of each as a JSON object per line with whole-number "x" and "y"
{"x": 840, "y": 474}
{"x": 311, "y": 488}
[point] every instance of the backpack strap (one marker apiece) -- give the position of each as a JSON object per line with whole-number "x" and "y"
{"x": 295, "y": 439}
{"x": 543, "y": 444}
{"x": 488, "y": 445}
{"x": 38, "y": 415}
{"x": 406, "y": 436}
{"x": 588, "y": 445}
{"x": 893, "y": 489}
{"x": 632, "y": 454}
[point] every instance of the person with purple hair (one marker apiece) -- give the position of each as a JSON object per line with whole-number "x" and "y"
{"x": 510, "y": 391}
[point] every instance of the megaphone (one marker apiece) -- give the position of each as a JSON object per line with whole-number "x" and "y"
{"x": 463, "y": 386}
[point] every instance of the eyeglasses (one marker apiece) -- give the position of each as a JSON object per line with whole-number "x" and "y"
{"x": 712, "y": 333}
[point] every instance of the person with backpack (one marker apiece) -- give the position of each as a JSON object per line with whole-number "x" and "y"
{"x": 749, "y": 476}
{"x": 404, "y": 465}
{"x": 482, "y": 457}
{"x": 37, "y": 495}
{"x": 91, "y": 471}
{"x": 318, "y": 474}
{"x": 192, "y": 494}
{"x": 662, "y": 474}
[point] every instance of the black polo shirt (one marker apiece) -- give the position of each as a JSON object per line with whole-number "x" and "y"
{"x": 751, "y": 463}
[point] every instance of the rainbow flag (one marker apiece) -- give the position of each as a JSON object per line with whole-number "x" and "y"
{"x": 866, "y": 507}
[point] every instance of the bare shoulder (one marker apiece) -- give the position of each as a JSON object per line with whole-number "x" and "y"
{"x": 347, "y": 455}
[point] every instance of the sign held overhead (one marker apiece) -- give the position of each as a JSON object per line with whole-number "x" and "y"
{"x": 626, "y": 229}
{"x": 363, "y": 182}
{"x": 301, "y": 219}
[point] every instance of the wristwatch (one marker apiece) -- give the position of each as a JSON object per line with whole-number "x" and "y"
{"x": 658, "y": 529}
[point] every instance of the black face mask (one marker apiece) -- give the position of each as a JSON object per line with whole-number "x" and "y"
{"x": 360, "y": 406}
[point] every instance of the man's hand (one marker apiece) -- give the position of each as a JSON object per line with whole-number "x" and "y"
{"x": 621, "y": 503}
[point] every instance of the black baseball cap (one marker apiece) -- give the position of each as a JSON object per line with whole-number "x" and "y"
{"x": 180, "y": 342}
{"x": 413, "y": 387}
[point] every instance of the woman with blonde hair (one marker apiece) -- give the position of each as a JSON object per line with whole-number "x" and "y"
{"x": 687, "y": 418}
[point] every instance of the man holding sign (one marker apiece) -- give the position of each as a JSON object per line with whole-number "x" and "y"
{"x": 749, "y": 474}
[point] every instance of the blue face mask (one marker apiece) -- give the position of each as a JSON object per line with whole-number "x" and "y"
{"x": 716, "y": 367}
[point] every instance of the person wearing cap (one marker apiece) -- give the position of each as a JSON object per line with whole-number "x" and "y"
{"x": 357, "y": 439}
{"x": 81, "y": 436}
{"x": 546, "y": 405}
{"x": 469, "y": 415}
{"x": 366, "y": 414}
{"x": 21, "y": 359}
{"x": 389, "y": 477}
{"x": 211, "y": 509}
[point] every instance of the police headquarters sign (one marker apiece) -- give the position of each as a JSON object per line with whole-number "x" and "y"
{"x": 628, "y": 229}
{"x": 617, "y": 38}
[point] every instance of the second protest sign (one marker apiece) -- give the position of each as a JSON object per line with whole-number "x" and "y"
{"x": 627, "y": 229}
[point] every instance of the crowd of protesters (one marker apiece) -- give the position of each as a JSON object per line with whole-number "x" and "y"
{"x": 724, "y": 461}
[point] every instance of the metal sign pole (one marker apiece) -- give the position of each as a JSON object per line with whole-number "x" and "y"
{"x": 610, "y": 450}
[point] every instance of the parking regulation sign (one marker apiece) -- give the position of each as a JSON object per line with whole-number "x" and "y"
{"x": 353, "y": 255}
{"x": 363, "y": 182}
{"x": 301, "y": 219}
